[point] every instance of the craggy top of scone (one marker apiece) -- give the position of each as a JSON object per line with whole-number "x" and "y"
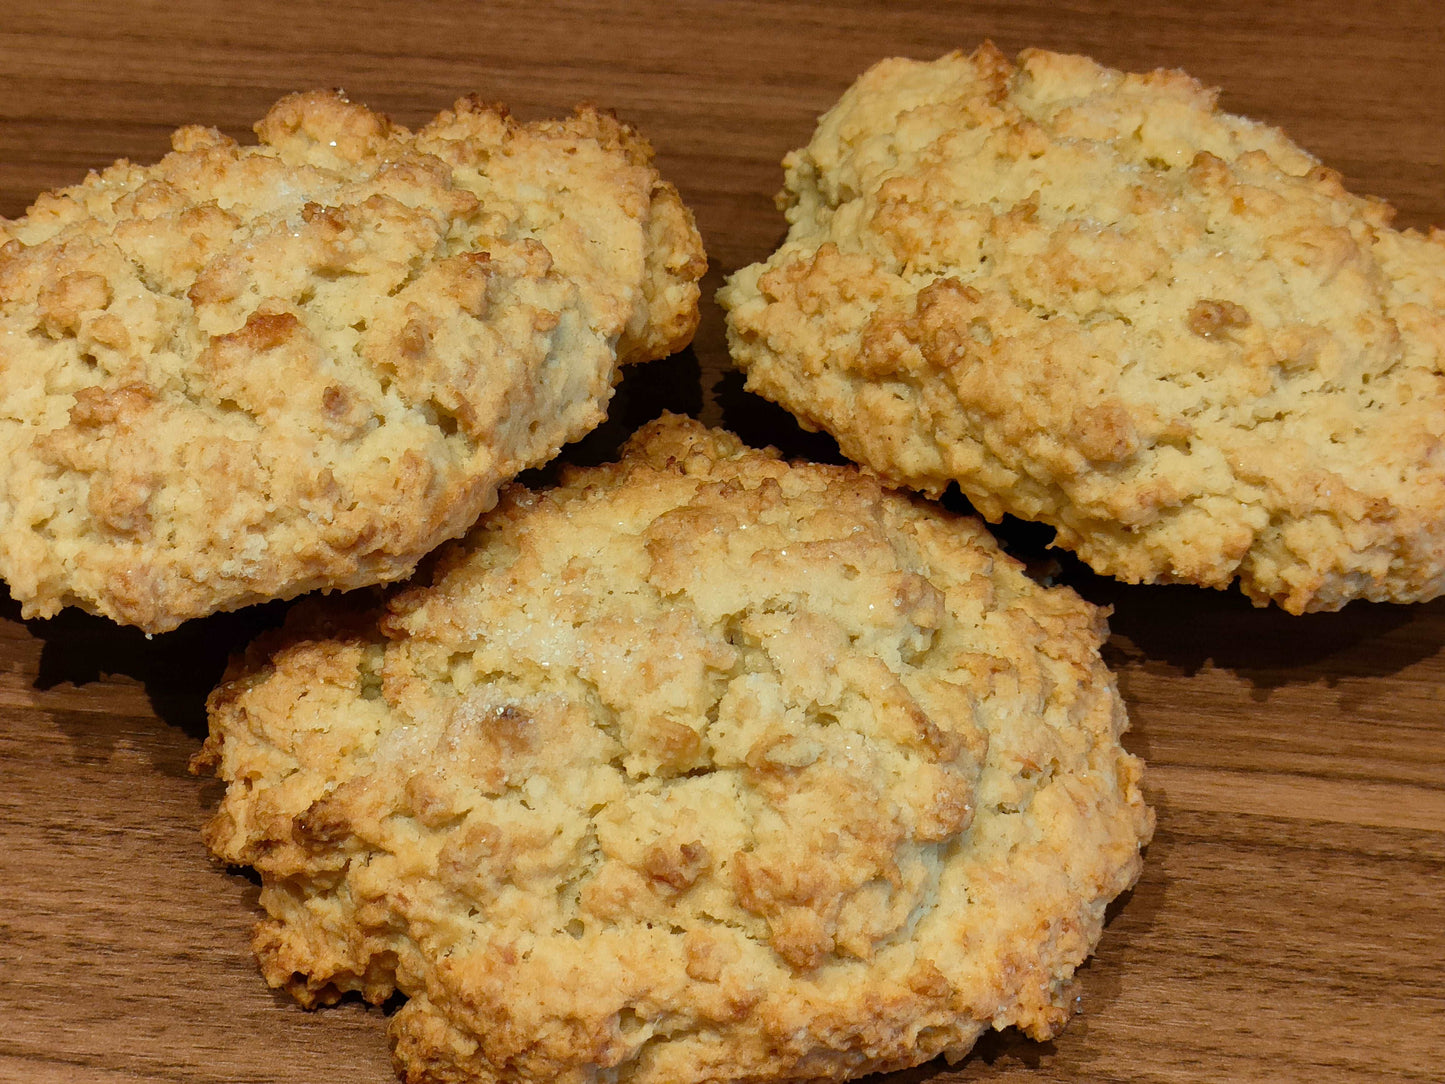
{"x": 246, "y": 372}
{"x": 1095, "y": 300}
{"x": 698, "y": 767}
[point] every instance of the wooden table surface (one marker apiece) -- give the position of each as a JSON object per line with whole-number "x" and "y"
{"x": 1290, "y": 922}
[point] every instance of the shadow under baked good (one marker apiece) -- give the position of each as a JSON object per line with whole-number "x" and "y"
{"x": 761, "y": 424}
{"x": 1188, "y": 629}
{"x": 178, "y": 669}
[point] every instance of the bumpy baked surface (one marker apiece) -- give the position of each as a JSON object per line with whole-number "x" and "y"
{"x": 1095, "y": 300}
{"x": 246, "y": 372}
{"x": 699, "y": 767}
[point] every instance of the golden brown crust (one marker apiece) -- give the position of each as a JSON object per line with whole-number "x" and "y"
{"x": 248, "y": 372}
{"x": 699, "y": 767}
{"x": 1093, "y": 299}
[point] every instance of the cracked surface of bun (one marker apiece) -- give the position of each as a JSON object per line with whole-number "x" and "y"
{"x": 698, "y": 767}
{"x": 1093, "y": 299}
{"x": 247, "y": 372}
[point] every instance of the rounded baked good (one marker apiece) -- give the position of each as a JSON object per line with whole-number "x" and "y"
{"x": 1094, "y": 300}
{"x": 698, "y": 767}
{"x": 247, "y": 372}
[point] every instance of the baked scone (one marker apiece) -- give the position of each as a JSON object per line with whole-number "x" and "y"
{"x": 247, "y": 372}
{"x": 699, "y": 767}
{"x": 1094, "y": 300}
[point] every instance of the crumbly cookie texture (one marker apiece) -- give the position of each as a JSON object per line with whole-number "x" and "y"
{"x": 1093, "y": 299}
{"x": 247, "y": 372}
{"x": 699, "y": 767}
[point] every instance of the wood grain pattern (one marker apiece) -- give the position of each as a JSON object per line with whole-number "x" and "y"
{"x": 1291, "y": 918}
